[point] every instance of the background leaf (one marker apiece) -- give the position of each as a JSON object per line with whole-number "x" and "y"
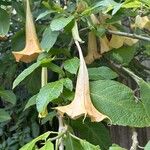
{"x": 25, "y": 73}
{"x": 8, "y": 96}
{"x": 95, "y": 133}
{"x": 49, "y": 38}
{"x": 4, "y": 116}
{"x": 4, "y": 22}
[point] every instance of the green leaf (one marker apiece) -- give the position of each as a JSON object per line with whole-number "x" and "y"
{"x": 25, "y": 73}
{"x": 68, "y": 84}
{"x": 122, "y": 55}
{"x": 48, "y": 93}
{"x": 95, "y": 133}
{"x": 101, "y": 73}
{"x": 49, "y": 117}
{"x": 60, "y": 23}
{"x": 56, "y": 68}
{"x": 8, "y": 96}
{"x": 48, "y": 146}
{"x": 31, "y": 102}
{"x": 72, "y": 65}
{"x": 132, "y": 4}
{"x": 30, "y": 145}
{"x": 144, "y": 88}
{"x": 147, "y": 147}
{"x": 75, "y": 143}
{"x": 4, "y": 116}
{"x": 118, "y": 102}
{"x": 45, "y": 13}
{"x": 116, "y": 147}
{"x": 49, "y": 39}
{"x": 4, "y": 22}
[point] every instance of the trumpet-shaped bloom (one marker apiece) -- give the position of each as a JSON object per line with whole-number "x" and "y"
{"x": 82, "y": 104}
{"x": 32, "y": 47}
{"x": 93, "y": 53}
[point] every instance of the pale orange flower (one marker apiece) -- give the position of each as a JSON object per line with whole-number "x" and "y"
{"x": 82, "y": 104}
{"x": 32, "y": 47}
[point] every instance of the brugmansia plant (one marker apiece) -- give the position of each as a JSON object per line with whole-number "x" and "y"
{"x": 84, "y": 67}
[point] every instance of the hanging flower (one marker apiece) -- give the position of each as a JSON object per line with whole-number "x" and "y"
{"x": 93, "y": 53}
{"x": 32, "y": 47}
{"x": 82, "y": 104}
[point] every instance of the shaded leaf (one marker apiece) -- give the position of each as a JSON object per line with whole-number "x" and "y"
{"x": 30, "y": 145}
{"x": 60, "y": 23}
{"x": 31, "y": 102}
{"x": 4, "y": 22}
{"x": 49, "y": 39}
{"x": 8, "y": 96}
{"x": 25, "y": 73}
{"x": 78, "y": 144}
{"x": 4, "y": 116}
{"x": 95, "y": 133}
{"x": 122, "y": 55}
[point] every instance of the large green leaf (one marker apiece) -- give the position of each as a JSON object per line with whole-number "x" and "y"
{"x": 4, "y": 22}
{"x": 8, "y": 96}
{"x": 144, "y": 88}
{"x": 95, "y": 133}
{"x": 101, "y": 73}
{"x": 147, "y": 147}
{"x": 118, "y": 102}
{"x": 30, "y": 145}
{"x": 72, "y": 143}
{"x": 4, "y": 116}
{"x": 49, "y": 39}
{"x": 60, "y": 23}
{"x": 71, "y": 65}
{"x": 48, "y": 93}
{"x": 25, "y": 73}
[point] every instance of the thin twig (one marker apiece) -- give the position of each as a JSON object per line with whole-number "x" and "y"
{"x": 134, "y": 36}
{"x": 134, "y": 140}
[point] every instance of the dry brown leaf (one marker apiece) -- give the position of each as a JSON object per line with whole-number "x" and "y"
{"x": 92, "y": 49}
{"x": 32, "y": 47}
{"x": 82, "y": 104}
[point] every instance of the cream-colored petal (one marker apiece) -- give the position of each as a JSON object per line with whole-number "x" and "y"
{"x": 104, "y": 45}
{"x": 130, "y": 41}
{"x": 116, "y": 41}
{"x": 92, "y": 49}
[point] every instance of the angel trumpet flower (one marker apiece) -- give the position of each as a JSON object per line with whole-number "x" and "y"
{"x": 32, "y": 48}
{"x": 82, "y": 104}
